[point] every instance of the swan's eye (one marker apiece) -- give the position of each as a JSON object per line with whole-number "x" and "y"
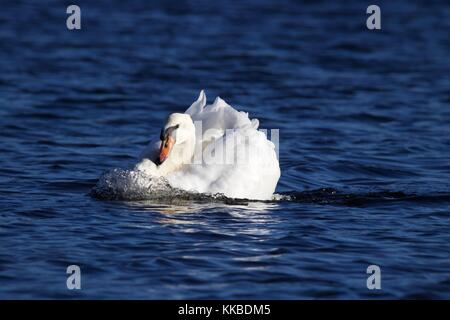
{"x": 167, "y": 132}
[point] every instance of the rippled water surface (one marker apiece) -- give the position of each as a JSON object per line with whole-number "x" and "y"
{"x": 364, "y": 119}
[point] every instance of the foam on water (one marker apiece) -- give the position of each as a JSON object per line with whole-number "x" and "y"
{"x": 131, "y": 185}
{"x": 121, "y": 184}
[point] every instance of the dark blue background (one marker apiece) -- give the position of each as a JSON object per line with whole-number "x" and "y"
{"x": 363, "y": 113}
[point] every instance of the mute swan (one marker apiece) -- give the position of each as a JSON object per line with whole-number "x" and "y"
{"x": 213, "y": 149}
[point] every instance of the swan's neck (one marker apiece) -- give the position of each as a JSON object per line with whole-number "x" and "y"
{"x": 180, "y": 155}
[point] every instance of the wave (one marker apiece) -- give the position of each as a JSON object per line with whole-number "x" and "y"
{"x": 333, "y": 196}
{"x": 130, "y": 185}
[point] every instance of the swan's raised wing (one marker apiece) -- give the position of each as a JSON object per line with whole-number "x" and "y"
{"x": 251, "y": 172}
{"x": 212, "y": 121}
{"x": 198, "y": 105}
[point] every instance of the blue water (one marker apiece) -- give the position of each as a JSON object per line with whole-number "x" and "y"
{"x": 364, "y": 119}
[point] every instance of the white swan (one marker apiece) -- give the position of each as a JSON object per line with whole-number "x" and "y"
{"x": 214, "y": 149}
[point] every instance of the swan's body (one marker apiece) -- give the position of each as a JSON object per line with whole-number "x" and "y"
{"x": 214, "y": 149}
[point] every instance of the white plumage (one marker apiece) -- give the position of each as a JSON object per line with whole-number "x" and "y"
{"x": 228, "y": 154}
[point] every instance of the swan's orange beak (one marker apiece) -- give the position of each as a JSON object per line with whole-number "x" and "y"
{"x": 166, "y": 146}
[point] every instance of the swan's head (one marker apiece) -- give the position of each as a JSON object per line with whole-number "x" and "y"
{"x": 177, "y": 139}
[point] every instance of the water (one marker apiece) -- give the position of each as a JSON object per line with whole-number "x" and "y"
{"x": 364, "y": 123}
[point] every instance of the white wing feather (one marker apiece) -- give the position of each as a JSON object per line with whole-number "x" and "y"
{"x": 255, "y": 171}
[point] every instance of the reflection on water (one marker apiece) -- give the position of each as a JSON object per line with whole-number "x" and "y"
{"x": 256, "y": 217}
